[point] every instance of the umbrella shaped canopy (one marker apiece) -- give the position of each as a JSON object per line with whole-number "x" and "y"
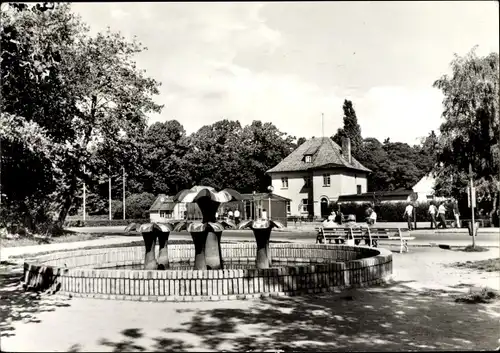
{"x": 149, "y": 227}
{"x": 132, "y": 227}
{"x": 198, "y": 192}
{"x": 260, "y": 224}
{"x": 191, "y": 226}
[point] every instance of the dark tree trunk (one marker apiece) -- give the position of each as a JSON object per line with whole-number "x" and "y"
{"x": 199, "y": 240}
{"x": 262, "y": 236}
{"x": 70, "y": 195}
{"x": 150, "y": 244}
{"x": 68, "y": 201}
{"x": 163, "y": 253}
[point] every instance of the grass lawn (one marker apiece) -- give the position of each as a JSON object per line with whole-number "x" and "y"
{"x": 69, "y": 237}
{"x": 489, "y": 265}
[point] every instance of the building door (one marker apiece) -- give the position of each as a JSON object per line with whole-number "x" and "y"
{"x": 324, "y": 207}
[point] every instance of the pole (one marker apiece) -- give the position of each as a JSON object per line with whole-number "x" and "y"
{"x": 123, "y": 168}
{"x": 110, "y": 193}
{"x": 269, "y": 217}
{"x": 473, "y": 225}
{"x": 84, "y": 196}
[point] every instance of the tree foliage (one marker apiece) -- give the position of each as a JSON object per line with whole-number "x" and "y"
{"x": 74, "y": 94}
{"x": 470, "y": 133}
{"x": 351, "y": 129}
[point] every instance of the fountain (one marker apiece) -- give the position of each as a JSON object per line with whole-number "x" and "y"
{"x": 220, "y": 270}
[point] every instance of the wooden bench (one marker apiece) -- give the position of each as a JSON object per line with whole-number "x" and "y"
{"x": 391, "y": 234}
{"x": 371, "y": 236}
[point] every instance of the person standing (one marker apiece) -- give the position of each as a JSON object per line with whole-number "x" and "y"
{"x": 432, "y": 212}
{"x": 456, "y": 213}
{"x": 338, "y": 216}
{"x": 264, "y": 214}
{"x": 409, "y": 215}
{"x": 372, "y": 219}
{"x": 441, "y": 215}
{"x": 237, "y": 216}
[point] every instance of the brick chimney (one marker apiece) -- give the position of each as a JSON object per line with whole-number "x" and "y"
{"x": 346, "y": 149}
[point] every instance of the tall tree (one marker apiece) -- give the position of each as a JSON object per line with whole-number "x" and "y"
{"x": 264, "y": 147}
{"x": 351, "y": 129}
{"x": 470, "y": 133}
{"x": 73, "y": 92}
{"x": 213, "y": 156}
{"x": 374, "y": 157}
{"x": 428, "y": 152}
{"x": 164, "y": 169}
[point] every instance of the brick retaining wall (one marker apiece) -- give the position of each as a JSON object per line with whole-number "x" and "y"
{"x": 332, "y": 268}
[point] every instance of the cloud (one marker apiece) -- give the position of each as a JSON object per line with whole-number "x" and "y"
{"x": 405, "y": 113}
{"x": 289, "y": 62}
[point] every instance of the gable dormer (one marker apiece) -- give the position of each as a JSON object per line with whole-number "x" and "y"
{"x": 309, "y": 154}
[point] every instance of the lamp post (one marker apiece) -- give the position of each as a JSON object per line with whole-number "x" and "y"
{"x": 271, "y": 189}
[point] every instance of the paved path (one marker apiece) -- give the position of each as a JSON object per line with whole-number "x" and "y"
{"x": 415, "y": 312}
{"x": 115, "y": 235}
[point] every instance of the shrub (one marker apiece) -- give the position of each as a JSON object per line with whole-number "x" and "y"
{"x": 387, "y": 212}
{"x": 485, "y": 295}
{"x": 104, "y": 223}
{"x": 138, "y": 205}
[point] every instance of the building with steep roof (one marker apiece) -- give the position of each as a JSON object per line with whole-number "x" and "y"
{"x": 164, "y": 208}
{"x": 316, "y": 174}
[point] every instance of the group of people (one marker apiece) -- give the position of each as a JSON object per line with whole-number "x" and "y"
{"x": 335, "y": 219}
{"x": 437, "y": 216}
{"x": 434, "y": 212}
{"x": 230, "y": 215}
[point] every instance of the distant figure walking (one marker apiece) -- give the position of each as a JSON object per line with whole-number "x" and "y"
{"x": 441, "y": 216}
{"x": 373, "y": 218}
{"x": 329, "y": 222}
{"x": 230, "y": 215}
{"x": 237, "y": 216}
{"x": 409, "y": 215}
{"x": 264, "y": 214}
{"x": 338, "y": 216}
{"x": 456, "y": 213}
{"x": 432, "y": 212}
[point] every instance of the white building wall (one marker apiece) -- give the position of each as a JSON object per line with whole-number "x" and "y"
{"x": 295, "y": 190}
{"x": 341, "y": 183}
{"x": 331, "y": 192}
{"x": 351, "y": 180}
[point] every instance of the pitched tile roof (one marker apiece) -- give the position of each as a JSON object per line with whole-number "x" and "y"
{"x": 163, "y": 203}
{"x": 326, "y": 154}
{"x": 264, "y": 196}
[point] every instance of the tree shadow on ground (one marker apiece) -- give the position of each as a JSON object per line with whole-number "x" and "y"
{"x": 18, "y": 305}
{"x": 387, "y": 318}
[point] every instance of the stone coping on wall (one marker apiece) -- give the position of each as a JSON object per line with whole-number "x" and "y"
{"x": 331, "y": 268}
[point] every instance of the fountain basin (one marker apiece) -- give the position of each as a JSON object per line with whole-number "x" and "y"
{"x": 310, "y": 268}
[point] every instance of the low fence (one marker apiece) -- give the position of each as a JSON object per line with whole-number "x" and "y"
{"x": 331, "y": 268}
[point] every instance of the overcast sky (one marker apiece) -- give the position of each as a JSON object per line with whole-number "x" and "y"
{"x": 289, "y": 62}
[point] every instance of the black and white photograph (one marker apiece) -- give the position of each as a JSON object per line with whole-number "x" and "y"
{"x": 241, "y": 176}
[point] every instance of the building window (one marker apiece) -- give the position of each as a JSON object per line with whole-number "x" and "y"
{"x": 307, "y": 182}
{"x": 288, "y": 209}
{"x": 358, "y": 189}
{"x": 308, "y": 159}
{"x": 284, "y": 182}
{"x": 326, "y": 179}
{"x": 165, "y": 214}
{"x": 304, "y": 205}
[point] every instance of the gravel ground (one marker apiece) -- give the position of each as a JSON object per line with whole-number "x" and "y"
{"x": 416, "y": 311}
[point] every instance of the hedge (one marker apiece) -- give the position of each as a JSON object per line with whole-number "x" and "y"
{"x": 104, "y": 223}
{"x": 392, "y": 212}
